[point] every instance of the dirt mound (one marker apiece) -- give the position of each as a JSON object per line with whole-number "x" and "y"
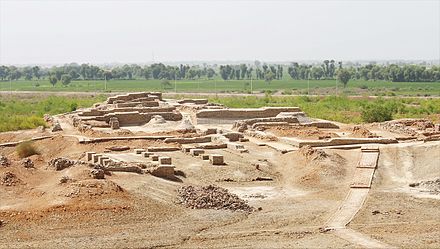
{"x": 360, "y": 131}
{"x": 186, "y": 125}
{"x": 4, "y": 161}
{"x": 432, "y": 186}
{"x": 9, "y": 179}
{"x": 312, "y": 154}
{"x": 211, "y": 197}
{"x": 157, "y": 119}
{"x": 60, "y": 163}
{"x": 91, "y": 188}
{"x": 314, "y": 168}
{"x": 301, "y": 132}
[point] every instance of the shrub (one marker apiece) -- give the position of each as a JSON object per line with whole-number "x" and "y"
{"x": 286, "y": 92}
{"x": 26, "y": 149}
{"x": 376, "y": 113}
{"x": 73, "y": 106}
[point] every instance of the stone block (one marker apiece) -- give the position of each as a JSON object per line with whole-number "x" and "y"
{"x": 204, "y": 157}
{"x": 216, "y": 159}
{"x": 139, "y": 151}
{"x": 95, "y": 158}
{"x": 163, "y": 171}
{"x": 165, "y": 160}
{"x": 154, "y": 157}
{"x": 196, "y": 152}
{"x": 106, "y": 162}
{"x": 101, "y": 160}
{"x": 147, "y": 154}
{"x": 89, "y": 155}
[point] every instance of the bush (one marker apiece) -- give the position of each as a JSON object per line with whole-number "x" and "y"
{"x": 286, "y": 92}
{"x": 26, "y": 149}
{"x": 73, "y": 106}
{"x": 376, "y": 113}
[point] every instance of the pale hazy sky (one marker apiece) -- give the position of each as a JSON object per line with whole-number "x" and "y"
{"x": 97, "y": 31}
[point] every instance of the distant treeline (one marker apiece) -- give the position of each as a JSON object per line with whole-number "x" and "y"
{"x": 328, "y": 69}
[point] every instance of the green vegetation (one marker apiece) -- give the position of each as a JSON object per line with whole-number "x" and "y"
{"x": 344, "y": 109}
{"x": 26, "y": 149}
{"x": 20, "y": 113}
{"x": 298, "y": 87}
{"x": 318, "y": 78}
{"x": 26, "y": 113}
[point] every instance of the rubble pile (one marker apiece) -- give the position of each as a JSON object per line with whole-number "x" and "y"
{"x": 97, "y": 173}
{"x": 312, "y": 154}
{"x": 157, "y": 119}
{"x": 9, "y": 179}
{"x": 362, "y": 132}
{"x": 61, "y": 163}
{"x": 4, "y": 161}
{"x": 57, "y": 127}
{"x": 211, "y": 197}
{"x": 27, "y": 163}
{"x": 48, "y": 118}
{"x": 431, "y": 186}
{"x": 409, "y": 126}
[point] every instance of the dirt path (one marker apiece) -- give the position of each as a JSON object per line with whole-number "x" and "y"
{"x": 350, "y": 207}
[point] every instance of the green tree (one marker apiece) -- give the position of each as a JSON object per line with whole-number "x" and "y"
{"x": 269, "y": 76}
{"x": 210, "y": 73}
{"x": 36, "y": 72}
{"x": 66, "y": 79}
{"x": 343, "y": 76}
{"x": 53, "y": 80}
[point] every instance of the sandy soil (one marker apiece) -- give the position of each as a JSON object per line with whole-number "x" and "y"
{"x": 140, "y": 210}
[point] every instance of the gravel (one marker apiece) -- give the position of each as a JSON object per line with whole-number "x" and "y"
{"x": 4, "y": 161}
{"x": 211, "y": 197}
{"x": 27, "y": 163}
{"x": 60, "y": 163}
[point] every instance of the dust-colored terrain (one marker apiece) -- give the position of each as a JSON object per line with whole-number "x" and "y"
{"x": 294, "y": 192}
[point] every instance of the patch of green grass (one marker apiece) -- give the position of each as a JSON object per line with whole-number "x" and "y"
{"x": 19, "y": 114}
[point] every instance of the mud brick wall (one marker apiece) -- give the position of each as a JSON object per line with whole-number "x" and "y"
{"x": 132, "y": 96}
{"x": 95, "y": 112}
{"x": 244, "y": 113}
{"x": 193, "y": 101}
{"x": 136, "y": 118}
{"x": 188, "y": 140}
{"x": 347, "y": 141}
{"x": 91, "y": 112}
{"x": 134, "y": 104}
{"x": 268, "y": 120}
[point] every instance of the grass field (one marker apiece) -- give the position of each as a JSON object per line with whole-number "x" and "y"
{"x": 18, "y": 113}
{"x": 285, "y": 86}
{"x": 25, "y": 113}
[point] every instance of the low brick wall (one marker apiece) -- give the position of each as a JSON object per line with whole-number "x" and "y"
{"x": 193, "y": 101}
{"x": 134, "y": 104}
{"x": 136, "y": 118}
{"x": 188, "y": 140}
{"x": 264, "y": 112}
{"x": 346, "y": 141}
{"x": 133, "y": 96}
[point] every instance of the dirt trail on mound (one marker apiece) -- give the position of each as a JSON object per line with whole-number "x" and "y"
{"x": 349, "y": 208}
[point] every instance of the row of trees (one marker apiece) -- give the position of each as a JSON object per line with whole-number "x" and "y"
{"x": 328, "y": 69}
{"x": 394, "y": 73}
